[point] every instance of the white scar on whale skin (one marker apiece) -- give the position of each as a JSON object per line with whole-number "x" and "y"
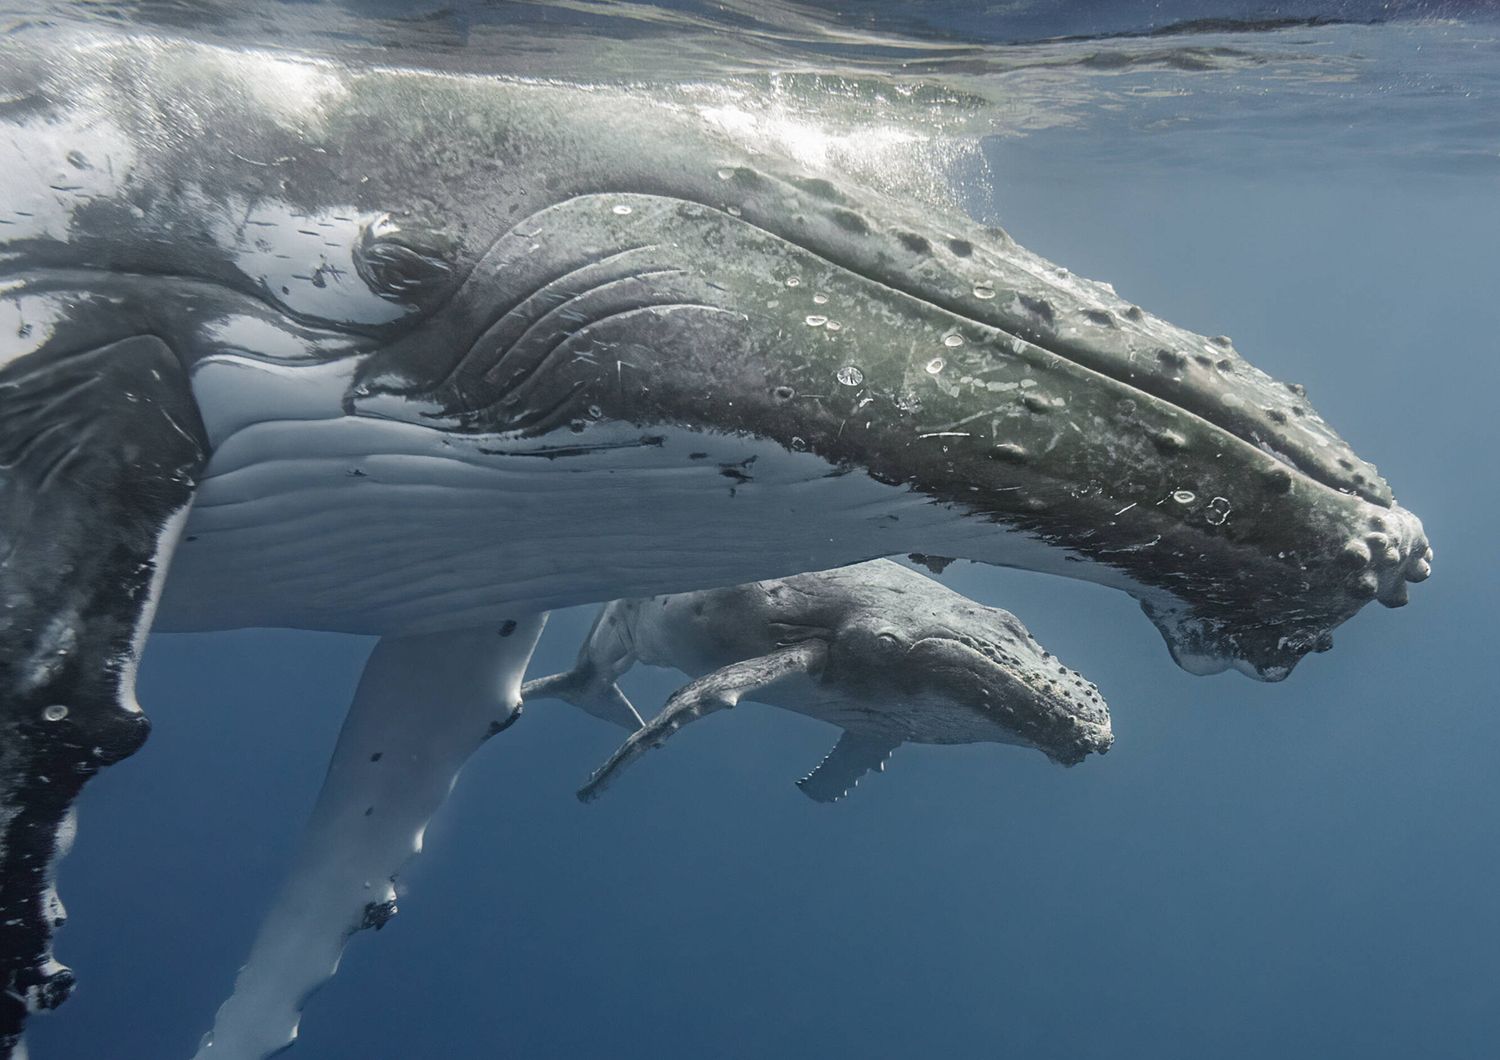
{"x": 423, "y": 705}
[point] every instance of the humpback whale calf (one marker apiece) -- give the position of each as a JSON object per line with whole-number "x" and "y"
{"x": 288, "y": 342}
{"x": 884, "y": 653}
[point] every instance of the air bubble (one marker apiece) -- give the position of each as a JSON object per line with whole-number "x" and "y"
{"x": 820, "y": 299}
{"x": 622, "y": 209}
{"x": 792, "y": 281}
{"x": 953, "y": 341}
{"x": 1184, "y": 496}
{"x": 56, "y": 712}
{"x": 936, "y": 365}
{"x": 850, "y": 375}
{"x": 816, "y": 320}
{"x": 984, "y": 291}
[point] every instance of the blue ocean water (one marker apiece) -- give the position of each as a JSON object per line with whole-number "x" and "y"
{"x": 1302, "y": 870}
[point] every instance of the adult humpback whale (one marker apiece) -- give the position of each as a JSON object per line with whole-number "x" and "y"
{"x": 421, "y": 355}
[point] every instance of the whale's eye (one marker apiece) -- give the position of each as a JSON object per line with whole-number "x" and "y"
{"x": 890, "y": 639}
{"x": 409, "y": 263}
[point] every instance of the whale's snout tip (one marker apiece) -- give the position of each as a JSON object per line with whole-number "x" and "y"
{"x": 1086, "y": 736}
{"x": 1381, "y": 553}
{"x": 1394, "y": 552}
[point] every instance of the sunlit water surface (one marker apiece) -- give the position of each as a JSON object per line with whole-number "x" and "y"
{"x": 1301, "y": 870}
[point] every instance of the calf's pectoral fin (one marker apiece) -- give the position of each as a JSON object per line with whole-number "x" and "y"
{"x": 720, "y": 690}
{"x": 603, "y": 699}
{"x": 590, "y": 685}
{"x": 851, "y": 758}
{"x": 99, "y": 452}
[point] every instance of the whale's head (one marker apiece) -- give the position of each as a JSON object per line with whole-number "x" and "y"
{"x": 1061, "y": 427}
{"x": 954, "y": 671}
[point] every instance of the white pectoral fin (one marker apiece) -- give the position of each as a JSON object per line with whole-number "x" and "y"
{"x": 424, "y": 705}
{"x": 851, "y": 758}
{"x": 720, "y": 690}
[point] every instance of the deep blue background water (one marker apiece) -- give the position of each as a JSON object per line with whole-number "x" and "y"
{"x": 1302, "y": 870}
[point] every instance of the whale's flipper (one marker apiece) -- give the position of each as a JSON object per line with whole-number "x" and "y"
{"x": 586, "y": 691}
{"x": 720, "y": 690}
{"x": 100, "y": 446}
{"x": 851, "y": 758}
{"x": 424, "y": 704}
{"x": 607, "y": 652}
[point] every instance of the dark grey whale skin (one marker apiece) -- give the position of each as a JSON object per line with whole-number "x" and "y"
{"x": 1148, "y": 456}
